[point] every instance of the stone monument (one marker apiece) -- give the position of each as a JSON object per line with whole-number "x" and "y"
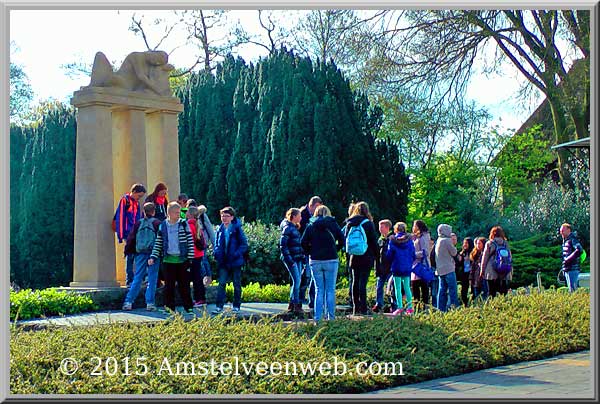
{"x": 126, "y": 134}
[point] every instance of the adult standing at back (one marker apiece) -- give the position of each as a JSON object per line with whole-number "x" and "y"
{"x": 445, "y": 251}
{"x": 307, "y": 212}
{"x": 361, "y": 244}
{"x": 322, "y": 239}
{"x": 422, "y": 243}
{"x": 128, "y": 213}
{"x": 159, "y": 198}
{"x": 571, "y": 253}
{"x": 497, "y": 281}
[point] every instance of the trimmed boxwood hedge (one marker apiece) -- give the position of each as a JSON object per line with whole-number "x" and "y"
{"x": 501, "y": 331}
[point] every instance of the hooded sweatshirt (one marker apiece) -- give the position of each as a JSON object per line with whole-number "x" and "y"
{"x": 322, "y": 238}
{"x": 444, "y": 251}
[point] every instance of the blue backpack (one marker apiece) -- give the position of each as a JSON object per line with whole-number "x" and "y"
{"x": 502, "y": 264}
{"x": 356, "y": 241}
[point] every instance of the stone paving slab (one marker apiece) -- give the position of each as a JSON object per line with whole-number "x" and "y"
{"x": 564, "y": 376}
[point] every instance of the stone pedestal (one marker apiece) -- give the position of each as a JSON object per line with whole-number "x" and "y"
{"x": 123, "y": 137}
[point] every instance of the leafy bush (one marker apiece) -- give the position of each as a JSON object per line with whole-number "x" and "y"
{"x": 264, "y": 266}
{"x": 254, "y": 292}
{"x": 27, "y": 303}
{"x": 428, "y": 346}
{"x": 550, "y": 206}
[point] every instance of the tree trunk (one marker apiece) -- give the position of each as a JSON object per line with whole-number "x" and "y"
{"x": 561, "y": 136}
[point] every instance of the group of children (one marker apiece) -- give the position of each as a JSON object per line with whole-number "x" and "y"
{"x": 479, "y": 266}
{"x": 169, "y": 242}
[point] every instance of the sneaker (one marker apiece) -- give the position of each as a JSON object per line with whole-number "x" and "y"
{"x": 218, "y": 310}
{"x": 397, "y": 312}
{"x": 151, "y": 307}
{"x": 127, "y": 306}
{"x": 409, "y": 312}
{"x": 376, "y": 309}
{"x": 199, "y": 303}
{"x": 236, "y": 309}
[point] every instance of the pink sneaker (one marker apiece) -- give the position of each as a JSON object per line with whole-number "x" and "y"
{"x": 397, "y": 312}
{"x": 409, "y": 312}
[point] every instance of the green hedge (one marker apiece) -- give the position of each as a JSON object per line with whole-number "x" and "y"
{"x": 28, "y": 303}
{"x": 502, "y": 331}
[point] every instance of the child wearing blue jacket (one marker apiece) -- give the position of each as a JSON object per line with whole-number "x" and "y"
{"x": 402, "y": 254}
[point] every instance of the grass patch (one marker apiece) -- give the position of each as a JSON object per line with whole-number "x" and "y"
{"x": 502, "y": 331}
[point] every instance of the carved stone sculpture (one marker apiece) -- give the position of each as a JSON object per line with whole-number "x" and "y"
{"x": 140, "y": 71}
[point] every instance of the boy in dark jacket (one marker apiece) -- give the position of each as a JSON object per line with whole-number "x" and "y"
{"x": 382, "y": 265}
{"x": 230, "y": 247}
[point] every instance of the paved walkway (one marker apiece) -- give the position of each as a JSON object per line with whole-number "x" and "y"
{"x": 141, "y": 315}
{"x": 564, "y": 376}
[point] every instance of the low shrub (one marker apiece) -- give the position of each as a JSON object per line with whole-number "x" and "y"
{"x": 26, "y": 304}
{"x": 504, "y": 330}
{"x": 256, "y": 293}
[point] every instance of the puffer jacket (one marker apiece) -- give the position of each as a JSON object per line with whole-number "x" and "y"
{"x": 402, "y": 256}
{"x": 322, "y": 238}
{"x": 289, "y": 243}
{"x": 444, "y": 251}
{"x": 231, "y": 255}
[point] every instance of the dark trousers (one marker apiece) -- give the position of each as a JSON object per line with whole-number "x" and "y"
{"x": 360, "y": 277}
{"x": 177, "y": 274}
{"x": 420, "y": 289}
{"x": 197, "y": 272}
{"x": 498, "y": 286}
{"x": 224, "y": 274}
{"x": 463, "y": 279}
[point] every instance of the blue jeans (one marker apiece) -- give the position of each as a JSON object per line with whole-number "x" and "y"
{"x": 207, "y": 270}
{"x": 324, "y": 275}
{"x": 381, "y": 283}
{"x": 142, "y": 267}
{"x": 129, "y": 259}
{"x": 237, "y": 286}
{"x": 572, "y": 278}
{"x": 295, "y": 273}
{"x": 435, "y": 285}
{"x": 485, "y": 289}
{"x": 447, "y": 285}
{"x": 307, "y": 282}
